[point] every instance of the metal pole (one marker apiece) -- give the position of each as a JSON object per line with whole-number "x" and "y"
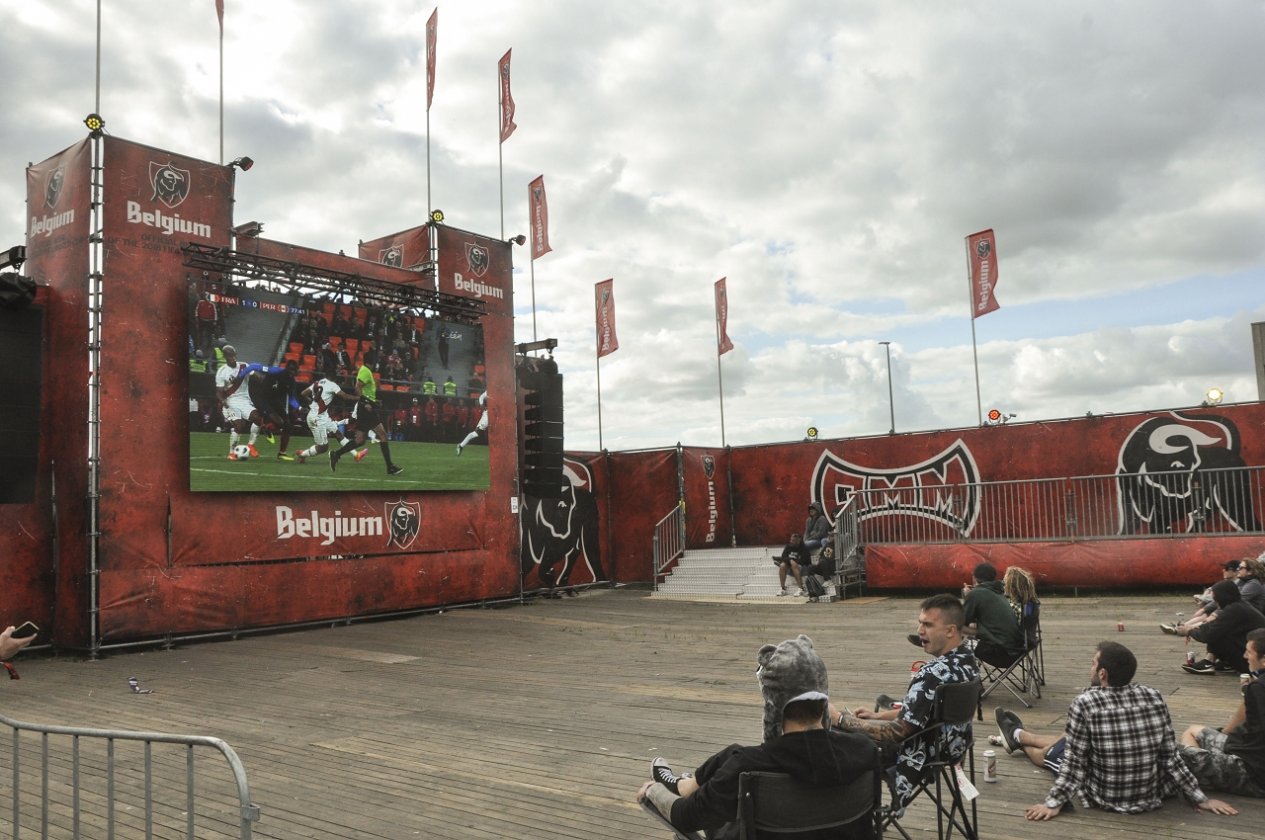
{"x": 600, "y": 448}
{"x": 96, "y": 109}
{"x": 500, "y": 155}
{"x": 533, "y": 303}
{"x": 891, "y": 403}
{"x": 970, "y": 308}
{"x": 720, "y": 386}
{"x": 221, "y": 94}
{"x": 429, "y": 208}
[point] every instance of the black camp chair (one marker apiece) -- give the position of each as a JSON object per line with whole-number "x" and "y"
{"x": 1026, "y": 674}
{"x": 955, "y": 704}
{"x": 775, "y": 805}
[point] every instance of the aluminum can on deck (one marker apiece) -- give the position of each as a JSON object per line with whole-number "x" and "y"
{"x": 990, "y": 765}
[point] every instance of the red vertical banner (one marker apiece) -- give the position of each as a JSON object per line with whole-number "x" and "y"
{"x": 723, "y": 344}
{"x": 219, "y": 13}
{"x": 538, "y": 207}
{"x": 981, "y": 251}
{"x": 604, "y": 298}
{"x": 432, "y": 38}
{"x": 507, "y": 98}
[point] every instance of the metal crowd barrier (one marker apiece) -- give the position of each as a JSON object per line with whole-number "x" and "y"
{"x": 1228, "y": 500}
{"x": 96, "y": 787}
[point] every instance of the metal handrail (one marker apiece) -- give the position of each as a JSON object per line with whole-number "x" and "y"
{"x": 248, "y": 812}
{"x": 1217, "y": 501}
{"x": 669, "y": 540}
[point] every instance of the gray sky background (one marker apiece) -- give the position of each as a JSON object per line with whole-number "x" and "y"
{"x": 827, "y": 157}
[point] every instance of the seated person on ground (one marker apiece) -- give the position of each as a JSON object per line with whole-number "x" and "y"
{"x": 796, "y": 741}
{"x": 1207, "y": 606}
{"x": 793, "y": 558}
{"x": 1232, "y": 758}
{"x": 1117, "y": 752}
{"x": 1249, "y": 578}
{"x": 940, "y": 621}
{"x": 991, "y": 619}
{"x": 1226, "y": 635}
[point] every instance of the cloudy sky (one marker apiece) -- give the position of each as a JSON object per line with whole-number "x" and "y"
{"x": 827, "y": 156}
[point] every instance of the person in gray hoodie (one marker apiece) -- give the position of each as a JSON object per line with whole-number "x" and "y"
{"x": 797, "y": 741}
{"x": 816, "y": 528}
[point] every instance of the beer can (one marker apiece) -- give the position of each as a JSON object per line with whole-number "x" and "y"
{"x": 897, "y": 706}
{"x": 1119, "y": 626}
{"x": 1244, "y": 679}
{"x": 1190, "y": 657}
{"x": 990, "y": 765}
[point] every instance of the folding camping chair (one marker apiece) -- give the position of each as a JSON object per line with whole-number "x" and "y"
{"x": 955, "y": 705}
{"x": 776, "y": 805}
{"x": 1025, "y": 675}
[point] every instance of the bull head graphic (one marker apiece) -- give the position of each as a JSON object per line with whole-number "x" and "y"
{"x": 709, "y": 466}
{"x": 1176, "y": 471}
{"x": 943, "y": 488}
{"x": 478, "y": 259}
{"x": 563, "y": 531}
{"x": 391, "y": 256}
{"x": 404, "y": 520}
{"x": 52, "y": 187}
{"x": 170, "y": 183}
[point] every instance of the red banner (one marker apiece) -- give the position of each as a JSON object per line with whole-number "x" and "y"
{"x": 607, "y": 340}
{"x": 981, "y": 254}
{"x": 219, "y": 12}
{"x": 538, "y": 207}
{"x": 507, "y": 99}
{"x": 407, "y": 249}
{"x": 432, "y": 38}
{"x": 723, "y": 344}
{"x": 476, "y": 266}
{"x": 706, "y": 482}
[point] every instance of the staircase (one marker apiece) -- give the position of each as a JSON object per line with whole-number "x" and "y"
{"x": 744, "y": 574}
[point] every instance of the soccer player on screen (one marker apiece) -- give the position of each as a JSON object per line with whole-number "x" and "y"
{"x": 365, "y": 416}
{"x": 274, "y": 394}
{"x": 234, "y": 395}
{"x": 327, "y": 409}
{"x": 481, "y": 427}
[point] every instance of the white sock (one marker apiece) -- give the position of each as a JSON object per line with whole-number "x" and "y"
{"x": 1018, "y": 732}
{"x": 254, "y": 433}
{"x": 233, "y": 438}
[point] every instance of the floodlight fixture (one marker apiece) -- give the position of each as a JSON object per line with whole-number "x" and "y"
{"x": 518, "y": 240}
{"x": 1213, "y": 396}
{"x": 249, "y": 229}
{"x": 95, "y": 124}
{"x": 437, "y": 215}
{"x": 243, "y": 163}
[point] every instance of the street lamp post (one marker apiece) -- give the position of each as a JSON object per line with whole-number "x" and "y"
{"x": 891, "y": 403}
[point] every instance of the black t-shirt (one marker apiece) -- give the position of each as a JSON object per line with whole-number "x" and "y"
{"x": 1248, "y": 742}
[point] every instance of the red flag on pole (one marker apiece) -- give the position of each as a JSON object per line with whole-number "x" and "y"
{"x": 723, "y": 344}
{"x": 432, "y": 35}
{"x": 219, "y": 12}
{"x": 507, "y": 100}
{"x": 981, "y": 250}
{"x": 607, "y": 340}
{"x": 538, "y": 209}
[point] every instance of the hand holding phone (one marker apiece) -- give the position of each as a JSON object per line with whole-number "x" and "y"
{"x": 25, "y": 630}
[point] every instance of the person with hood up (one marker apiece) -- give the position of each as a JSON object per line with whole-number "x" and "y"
{"x": 816, "y": 528}
{"x": 1225, "y": 635}
{"x": 991, "y": 619}
{"x": 797, "y": 741}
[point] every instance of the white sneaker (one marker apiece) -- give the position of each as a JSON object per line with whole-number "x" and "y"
{"x": 801, "y": 593}
{"x": 783, "y": 592}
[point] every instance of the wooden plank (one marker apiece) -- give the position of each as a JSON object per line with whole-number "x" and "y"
{"x": 541, "y": 720}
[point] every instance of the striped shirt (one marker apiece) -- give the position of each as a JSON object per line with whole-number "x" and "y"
{"x": 1121, "y": 754}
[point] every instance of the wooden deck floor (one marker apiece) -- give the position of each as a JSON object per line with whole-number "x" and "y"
{"x": 541, "y": 720}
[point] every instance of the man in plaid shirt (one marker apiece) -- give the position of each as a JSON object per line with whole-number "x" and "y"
{"x": 1118, "y": 752}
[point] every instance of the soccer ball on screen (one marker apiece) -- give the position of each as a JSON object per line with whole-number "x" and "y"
{"x": 242, "y": 451}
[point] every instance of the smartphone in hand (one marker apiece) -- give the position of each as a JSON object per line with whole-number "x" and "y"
{"x": 25, "y": 630}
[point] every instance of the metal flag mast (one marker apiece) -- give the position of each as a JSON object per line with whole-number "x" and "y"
{"x": 970, "y": 307}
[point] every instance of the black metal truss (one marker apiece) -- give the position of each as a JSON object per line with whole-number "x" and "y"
{"x": 339, "y": 286}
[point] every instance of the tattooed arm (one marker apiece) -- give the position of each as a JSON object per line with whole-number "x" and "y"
{"x": 881, "y": 729}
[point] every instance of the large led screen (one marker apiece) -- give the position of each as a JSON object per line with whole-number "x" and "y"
{"x": 272, "y": 395}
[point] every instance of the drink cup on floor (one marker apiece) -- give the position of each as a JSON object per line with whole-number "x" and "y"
{"x": 990, "y": 765}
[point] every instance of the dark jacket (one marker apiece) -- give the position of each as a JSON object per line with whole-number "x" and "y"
{"x": 817, "y": 525}
{"x": 1226, "y": 635}
{"x": 818, "y": 758}
{"x": 987, "y": 608}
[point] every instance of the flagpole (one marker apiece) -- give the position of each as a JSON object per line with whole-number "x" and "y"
{"x": 720, "y": 386}
{"x": 96, "y": 109}
{"x": 533, "y": 305}
{"x": 970, "y": 307}
{"x": 598, "y": 362}
{"x": 500, "y": 160}
{"x": 221, "y": 93}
